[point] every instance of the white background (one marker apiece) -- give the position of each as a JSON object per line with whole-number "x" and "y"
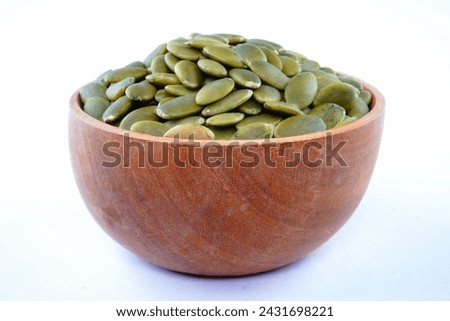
{"x": 396, "y": 245}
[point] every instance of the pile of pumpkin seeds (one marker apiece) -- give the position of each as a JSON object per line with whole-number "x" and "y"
{"x": 224, "y": 86}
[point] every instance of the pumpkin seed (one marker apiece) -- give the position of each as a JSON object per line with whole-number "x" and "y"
{"x": 225, "y": 119}
{"x": 245, "y": 78}
{"x": 346, "y": 120}
{"x": 163, "y": 79}
{"x": 125, "y": 72}
{"x": 357, "y": 108}
{"x": 179, "y": 90}
{"x": 224, "y": 55}
{"x": 299, "y": 125}
{"x": 214, "y": 91}
{"x": 159, "y": 65}
{"x": 323, "y": 78}
{"x": 117, "y": 109}
{"x": 330, "y": 113}
{"x": 261, "y": 118}
{"x": 272, "y": 57}
{"x": 290, "y": 66}
{"x": 189, "y": 74}
{"x": 301, "y": 90}
{"x": 212, "y": 67}
{"x": 366, "y": 96}
{"x": 160, "y": 50}
{"x": 139, "y": 64}
{"x": 178, "y": 107}
{"x": 182, "y": 51}
{"x": 190, "y": 131}
{"x": 233, "y": 39}
{"x": 96, "y": 106}
{"x": 328, "y": 70}
{"x": 254, "y": 131}
{"x": 281, "y": 107}
{"x": 292, "y": 54}
{"x": 269, "y": 74}
{"x": 150, "y": 127}
{"x": 188, "y": 120}
{"x": 143, "y": 113}
{"x": 339, "y": 93}
{"x": 117, "y": 89}
{"x": 162, "y": 94}
{"x": 228, "y": 103}
{"x": 309, "y": 65}
{"x": 142, "y": 91}
{"x": 171, "y": 61}
{"x": 202, "y": 41}
{"x": 250, "y": 52}
{"x": 223, "y": 133}
{"x": 350, "y": 81}
{"x": 250, "y": 107}
{"x": 92, "y": 89}
{"x": 266, "y": 93}
{"x": 265, "y": 43}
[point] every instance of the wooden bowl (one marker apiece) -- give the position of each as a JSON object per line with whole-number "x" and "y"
{"x": 223, "y": 208}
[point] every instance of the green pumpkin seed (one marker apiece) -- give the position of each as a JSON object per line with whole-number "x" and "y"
{"x": 214, "y": 91}
{"x": 163, "y": 79}
{"x": 223, "y": 133}
{"x": 162, "y": 94}
{"x": 250, "y": 107}
{"x": 346, "y": 120}
{"x": 299, "y": 125}
{"x": 254, "y": 131}
{"x": 142, "y": 91}
{"x": 188, "y": 120}
{"x": 143, "y": 113}
{"x": 323, "y": 78}
{"x": 125, "y": 72}
{"x": 183, "y": 51}
{"x": 266, "y": 93}
{"x": 178, "y": 107}
{"x": 272, "y": 57}
{"x": 150, "y": 127}
{"x": 190, "y": 131}
{"x": 269, "y": 74}
{"x": 350, "y": 81}
{"x": 356, "y": 108}
{"x": 137, "y": 63}
{"x": 96, "y": 106}
{"x": 171, "y": 61}
{"x": 101, "y": 79}
{"x": 179, "y": 90}
{"x": 160, "y": 50}
{"x": 92, "y": 89}
{"x": 281, "y": 107}
{"x": 159, "y": 65}
{"x": 339, "y": 93}
{"x": 265, "y": 43}
{"x": 250, "y": 52}
{"x": 202, "y": 41}
{"x": 294, "y": 55}
{"x": 225, "y": 119}
{"x": 270, "y": 119}
{"x": 189, "y": 74}
{"x": 212, "y": 67}
{"x": 117, "y": 90}
{"x": 328, "y": 70}
{"x": 301, "y": 90}
{"x": 233, "y": 39}
{"x": 228, "y": 103}
{"x": 309, "y": 65}
{"x": 290, "y": 66}
{"x": 366, "y": 96}
{"x": 245, "y": 78}
{"x": 117, "y": 109}
{"x": 330, "y": 113}
{"x": 224, "y": 55}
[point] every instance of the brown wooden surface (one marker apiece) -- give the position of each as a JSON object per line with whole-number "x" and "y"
{"x": 223, "y": 221}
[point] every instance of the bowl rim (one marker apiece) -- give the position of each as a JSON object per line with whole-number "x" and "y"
{"x": 377, "y": 107}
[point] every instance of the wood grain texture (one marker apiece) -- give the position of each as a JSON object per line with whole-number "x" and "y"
{"x": 239, "y": 217}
